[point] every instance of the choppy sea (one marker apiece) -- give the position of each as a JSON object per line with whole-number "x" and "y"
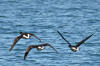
{"x": 75, "y": 19}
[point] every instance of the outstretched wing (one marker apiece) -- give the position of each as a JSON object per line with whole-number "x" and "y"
{"x": 64, "y": 38}
{"x": 27, "y": 51}
{"x": 35, "y": 36}
{"x": 47, "y": 44}
{"x": 15, "y": 41}
{"x": 81, "y": 42}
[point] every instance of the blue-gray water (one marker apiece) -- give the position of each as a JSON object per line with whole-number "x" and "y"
{"x": 75, "y": 19}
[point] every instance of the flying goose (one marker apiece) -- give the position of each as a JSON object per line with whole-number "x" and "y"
{"x": 76, "y": 47}
{"x": 39, "y": 48}
{"x": 23, "y": 35}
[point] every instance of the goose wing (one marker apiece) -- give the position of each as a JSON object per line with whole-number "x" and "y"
{"x": 28, "y": 50}
{"x": 35, "y": 36}
{"x": 47, "y": 44}
{"x": 64, "y": 38}
{"x": 15, "y": 41}
{"x": 81, "y": 42}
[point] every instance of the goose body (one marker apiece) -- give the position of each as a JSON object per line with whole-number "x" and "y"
{"x": 40, "y": 47}
{"x": 26, "y": 36}
{"x": 74, "y": 49}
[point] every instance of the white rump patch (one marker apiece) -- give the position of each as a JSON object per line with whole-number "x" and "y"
{"x": 75, "y": 49}
{"x": 26, "y": 36}
{"x": 40, "y": 47}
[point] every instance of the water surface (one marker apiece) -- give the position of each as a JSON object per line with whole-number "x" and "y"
{"x": 74, "y": 19}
